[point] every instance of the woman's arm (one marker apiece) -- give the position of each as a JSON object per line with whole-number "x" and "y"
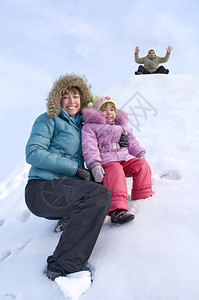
{"x": 37, "y": 149}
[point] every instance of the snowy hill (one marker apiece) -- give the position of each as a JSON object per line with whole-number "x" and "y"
{"x": 154, "y": 257}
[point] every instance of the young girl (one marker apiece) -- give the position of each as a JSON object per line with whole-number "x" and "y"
{"x": 108, "y": 162}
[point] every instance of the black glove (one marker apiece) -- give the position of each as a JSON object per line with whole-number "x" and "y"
{"x": 84, "y": 174}
{"x": 123, "y": 142}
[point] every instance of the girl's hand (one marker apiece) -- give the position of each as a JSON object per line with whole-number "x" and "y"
{"x": 98, "y": 173}
{"x": 141, "y": 155}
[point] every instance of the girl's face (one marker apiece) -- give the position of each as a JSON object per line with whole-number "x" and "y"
{"x": 108, "y": 111}
{"x": 71, "y": 103}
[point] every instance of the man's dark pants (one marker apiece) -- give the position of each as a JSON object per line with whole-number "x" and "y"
{"x": 142, "y": 69}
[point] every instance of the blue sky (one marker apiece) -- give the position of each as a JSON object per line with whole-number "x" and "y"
{"x": 40, "y": 40}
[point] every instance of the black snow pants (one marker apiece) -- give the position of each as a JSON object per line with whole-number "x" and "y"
{"x": 142, "y": 69}
{"x": 85, "y": 203}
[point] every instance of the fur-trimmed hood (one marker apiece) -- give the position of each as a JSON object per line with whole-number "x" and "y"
{"x": 92, "y": 115}
{"x": 60, "y": 88}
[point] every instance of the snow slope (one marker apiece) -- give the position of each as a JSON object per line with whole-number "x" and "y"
{"x": 154, "y": 257}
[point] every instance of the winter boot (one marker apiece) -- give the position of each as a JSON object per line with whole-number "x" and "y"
{"x": 138, "y": 73}
{"x": 52, "y": 275}
{"x": 121, "y": 216}
{"x": 166, "y": 71}
{"x": 54, "y": 270}
{"x": 61, "y": 224}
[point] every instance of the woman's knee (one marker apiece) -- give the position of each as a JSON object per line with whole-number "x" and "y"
{"x": 101, "y": 196}
{"x": 108, "y": 196}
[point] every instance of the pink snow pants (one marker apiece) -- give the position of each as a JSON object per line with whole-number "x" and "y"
{"x": 115, "y": 181}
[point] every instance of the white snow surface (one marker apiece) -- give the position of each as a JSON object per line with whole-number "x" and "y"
{"x": 75, "y": 284}
{"x": 154, "y": 257}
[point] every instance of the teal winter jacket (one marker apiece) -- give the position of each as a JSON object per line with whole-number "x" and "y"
{"x": 54, "y": 147}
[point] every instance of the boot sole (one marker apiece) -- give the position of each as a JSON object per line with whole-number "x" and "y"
{"x": 122, "y": 221}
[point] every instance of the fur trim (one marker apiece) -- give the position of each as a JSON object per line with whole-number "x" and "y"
{"x": 60, "y": 87}
{"x": 92, "y": 115}
{"x": 121, "y": 118}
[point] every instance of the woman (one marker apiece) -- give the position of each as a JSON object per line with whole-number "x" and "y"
{"x": 59, "y": 186}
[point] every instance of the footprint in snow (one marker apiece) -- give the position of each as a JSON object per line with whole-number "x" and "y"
{"x": 2, "y": 222}
{"x": 24, "y": 216}
{"x": 5, "y": 254}
{"x": 8, "y": 297}
{"x": 171, "y": 175}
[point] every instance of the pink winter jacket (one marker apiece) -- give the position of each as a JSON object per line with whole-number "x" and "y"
{"x": 100, "y": 139}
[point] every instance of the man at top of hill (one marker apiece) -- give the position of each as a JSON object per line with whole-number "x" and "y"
{"x": 151, "y": 62}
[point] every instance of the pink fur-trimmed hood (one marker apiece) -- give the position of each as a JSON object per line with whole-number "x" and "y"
{"x": 92, "y": 115}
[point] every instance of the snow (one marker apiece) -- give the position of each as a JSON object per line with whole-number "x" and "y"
{"x": 74, "y": 284}
{"x": 154, "y": 257}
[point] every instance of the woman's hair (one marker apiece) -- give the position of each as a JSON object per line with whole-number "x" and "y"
{"x": 61, "y": 87}
{"x": 72, "y": 89}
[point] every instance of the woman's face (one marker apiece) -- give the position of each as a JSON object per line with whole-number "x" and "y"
{"x": 71, "y": 103}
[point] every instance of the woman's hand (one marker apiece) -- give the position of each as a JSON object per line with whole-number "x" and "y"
{"x": 123, "y": 142}
{"x": 84, "y": 174}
